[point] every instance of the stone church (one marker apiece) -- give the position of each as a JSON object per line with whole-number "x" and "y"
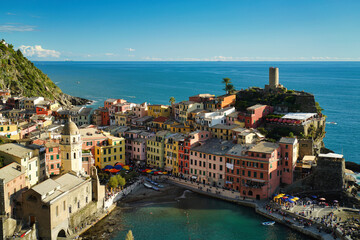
{"x": 62, "y": 204}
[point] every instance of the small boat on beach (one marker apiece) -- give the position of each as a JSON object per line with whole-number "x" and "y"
{"x": 268, "y": 223}
{"x": 148, "y": 185}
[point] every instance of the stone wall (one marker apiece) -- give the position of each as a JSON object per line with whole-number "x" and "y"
{"x": 83, "y": 216}
{"x": 7, "y": 227}
{"x": 329, "y": 175}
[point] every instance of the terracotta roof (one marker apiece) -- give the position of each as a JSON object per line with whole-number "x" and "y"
{"x": 160, "y": 119}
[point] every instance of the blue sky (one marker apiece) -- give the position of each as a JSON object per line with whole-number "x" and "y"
{"x": 194, "y": 30}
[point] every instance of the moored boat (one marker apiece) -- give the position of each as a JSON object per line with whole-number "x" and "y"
{"x": 268, "y": 223}
{"x": 148, "y": 185}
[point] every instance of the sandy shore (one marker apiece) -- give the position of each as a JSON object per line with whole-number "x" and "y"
{"x": 109, "y": 226}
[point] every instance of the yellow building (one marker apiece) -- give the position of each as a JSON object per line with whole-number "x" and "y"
{"x": 112, "y": 152}
{"x": 180, "y": 128}
{"x": 172, "y": 152}
{"x": 159, "y": 111}
{"x": 10, "y": 131}
{"x": 121, "y": 119}
{"x": 156, "y": 150}
{"x": 185, "y": 107}
{"x": 26, "y": 157}
{"x": 53, "y": 106}
{"x": 223, "y": 132}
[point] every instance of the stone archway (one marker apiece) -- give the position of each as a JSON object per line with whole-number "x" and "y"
{"x": 61, "y": 234}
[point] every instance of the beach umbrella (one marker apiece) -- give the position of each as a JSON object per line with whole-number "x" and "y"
{"x": 296, "y": 198}
{"x": 314, "y": 196}
{"x": 114, "y": 170}
{"x": 291, "y": 201}
{"x": 126, "y": 167}
{"x": 108, "y": 167}
{"x": 118, "y": 167}
{"x": 165, "y": 173}
{"x": 322, "y": 199}
{"x": 148, "y": 171}
{"x": 119, "y": 163}
{"x": 335, "y": 201}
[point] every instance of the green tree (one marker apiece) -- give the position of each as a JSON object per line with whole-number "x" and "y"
{"x": 291, "y": 134}
{"x": 113, "y": 182}
{"x": 229, "y": 88}
{"x": 121, "y": 181}
{"x": 226, "y": 81}
{"x": 172, "y": 100}
{"x": 129, "y": 236}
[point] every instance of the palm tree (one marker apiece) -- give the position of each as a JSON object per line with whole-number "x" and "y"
{"x": 226, "y": 81}
{"x": 129, "y": 236}
{"x": 172, "y": 100}
{"x": 230, "y": 89}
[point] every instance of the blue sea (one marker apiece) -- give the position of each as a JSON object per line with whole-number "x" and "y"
{"x": 336, "y": 86}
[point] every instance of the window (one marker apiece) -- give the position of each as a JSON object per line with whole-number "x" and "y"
{"x": 51, "y": 157}
{"x": 255, "y": 174}
{"x": 52, "y": 166}
{"x": 261, "y": 175}
{"x": 249, "y": 174}
{"x": 57, "y": 210}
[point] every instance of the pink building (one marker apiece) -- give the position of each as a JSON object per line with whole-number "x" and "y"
{"x": 289, "y": 153}
{"x": 26, "y": 129}
{"x": 13, "y": 182}
{"x": 135, "y": 146}
{"x": 111, "y": 101}
{"x": 254, "y": 115}
{"x": 184, "y": 149}
{"x": 254, "y": 170}
{"x": 87, "y": 161}
{"x": 52, "y": 157}
{"x": 92, "y": 137}
{"x": 120, "y": 107}
{"x": 141, "y": 110}
{"x": 202, "y": 97}
{"x": 207, "y": 162}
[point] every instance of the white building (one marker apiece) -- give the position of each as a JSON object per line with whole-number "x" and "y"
{"x": 210, "y": 119}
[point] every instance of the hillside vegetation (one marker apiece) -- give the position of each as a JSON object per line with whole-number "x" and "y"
{"x": 21, "y": 76}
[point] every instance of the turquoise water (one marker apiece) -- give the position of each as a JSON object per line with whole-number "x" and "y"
{"x": 336, "y": 86}
{"x": 197, "y": 218}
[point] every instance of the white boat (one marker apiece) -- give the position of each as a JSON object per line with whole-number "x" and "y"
{"x": 268, "y": 223}
{"x": 148, "y": 185}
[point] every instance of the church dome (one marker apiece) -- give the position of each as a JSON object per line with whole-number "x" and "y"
{"x": 70, "y": 128}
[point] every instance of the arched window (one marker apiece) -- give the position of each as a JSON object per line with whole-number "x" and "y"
{"x": 250, "y": 193}
{"x": 74, "y": 155}
{"x": 73, "y": 139}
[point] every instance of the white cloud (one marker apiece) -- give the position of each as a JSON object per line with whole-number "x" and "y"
{"x": 130, "y": 49}
{"x": 10, "y": 27}
{"x": 109, "y": 54}
{"x": 10, "y": 13}
{"x": 38, "y": 51}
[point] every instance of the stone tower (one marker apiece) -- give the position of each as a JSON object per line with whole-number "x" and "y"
{"x": 71, "y": 148}
{"x": 273, "y": 77}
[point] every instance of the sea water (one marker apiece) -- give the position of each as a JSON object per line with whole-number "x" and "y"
{"x": 199, "y": 218}
{"x": 336, "y": 86}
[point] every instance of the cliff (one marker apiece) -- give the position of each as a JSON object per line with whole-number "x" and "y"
{"x": 284, "y": 100}
{"x": 20, "y": 75}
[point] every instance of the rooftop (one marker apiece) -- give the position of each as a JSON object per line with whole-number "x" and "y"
{"x": 11, "y": 171}
{"x": 15, "y": 149}
{"x": 256, "y": 107}
{"x": 214, "y": 146}
{"x": 330, "y": 155}
{"x": 264, "y": 147}
{"x": 239, "y": 149}
{"x": 50, "y": 189}
{"x": 287, "y": 140}
{"x": 222, "y": 126}
{"x": 299, "y": 116}
{"x": 160, "y": 119}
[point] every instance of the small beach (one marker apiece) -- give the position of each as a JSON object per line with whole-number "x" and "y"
{"x": 176, "y": 213}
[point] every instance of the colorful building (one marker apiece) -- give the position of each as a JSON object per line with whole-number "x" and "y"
{"x": 9, "y": 130}
{"x": 172, "y": 152}
{"x": 135, "y": 146}
{"x": 289, "y": 154}
{"x": 92, "y": 137}
{"x": 220, "y": 102}
{"x": 207, "y": 162}
{"x": 223, "y": 132}
{"x": 254, "y": 115}
{"x": 26, "y": 157}
{"x": 155, "y": 147}
{"x": 185, "y": 145}
{"x": 52, "y": 157}
{"x": 112, "y": 152}
{"x": 159, "y": 111}
{"x": 254, "y": 170}
{"x": 185, "y": 107}
{"x": 13, "y": 182}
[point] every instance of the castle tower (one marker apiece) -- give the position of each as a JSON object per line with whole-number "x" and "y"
{"x": 273, "y": 77}
{"x": 71, "y": 148}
